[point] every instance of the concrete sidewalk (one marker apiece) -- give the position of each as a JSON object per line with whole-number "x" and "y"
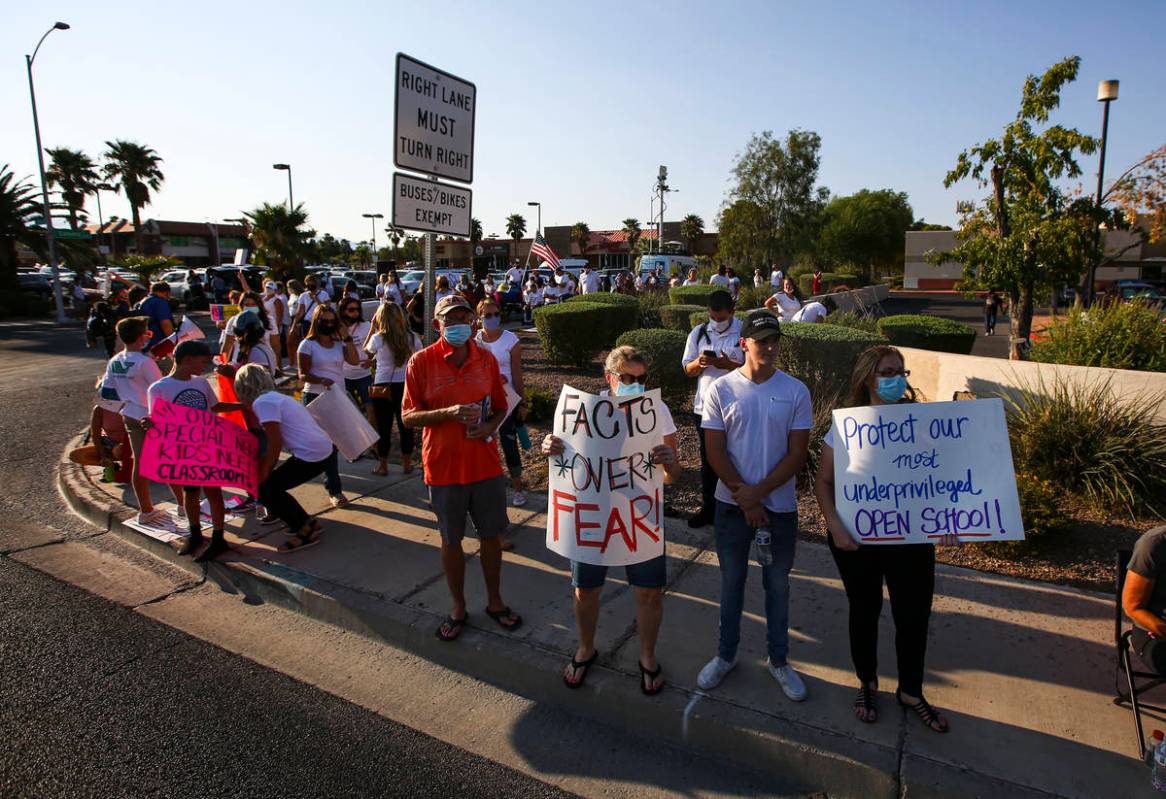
{"x": 1024, "y": 671}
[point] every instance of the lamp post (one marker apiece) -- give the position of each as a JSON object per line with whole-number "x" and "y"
{"x": 374, "y": 218}
{"x": 540, "y": 215}
{"x": 1106, "y": 93}
{"x": 100, "y": 187}
{"x": 287, "y": 168}
{"x": 44, "y": 187}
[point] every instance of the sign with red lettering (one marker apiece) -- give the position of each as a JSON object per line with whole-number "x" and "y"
{"x": 606, "y": 496}
{"x": 188, "y": 446}
{"x": 915, "y": 472}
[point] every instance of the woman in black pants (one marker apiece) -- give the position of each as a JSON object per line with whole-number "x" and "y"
{"x": 391, "y": 344}
{"x": 879, "y": 378}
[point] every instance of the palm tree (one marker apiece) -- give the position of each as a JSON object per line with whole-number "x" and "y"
{"x": 76, "y": 175}
{"x": 395, "y": 236}
{"x": 136, "y": 166}
{"x": 516, "y": 229}
{"x": 281, "y": 237}
{"x": 475, "y": 237}
{"x": 691, "y": 229}
{"x": 18, "y": 205}
{"x": 631, "y": 228}
{"x": 581, "y": 235}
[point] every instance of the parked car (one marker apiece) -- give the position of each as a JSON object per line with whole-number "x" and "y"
{"x": 672, "y": 264}
{"x": 35, "y": 283}
{"x": 183, "y": 289}
{"x": 1126, "y": 290}
{"x": 230, "y": 276}
{"x": 411, "y": 281}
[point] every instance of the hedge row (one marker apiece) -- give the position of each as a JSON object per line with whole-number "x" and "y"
{"x": 574, "y": 332}
{"x": 692, "y": 295}
{"x": 664, "y": 350}
{"x": 676, "y": 317}
{"x": 928, "y": 333}
{"x": 818, "y": 346}
{"x": 830, "y": 281}
{"x": 605, "y": 298}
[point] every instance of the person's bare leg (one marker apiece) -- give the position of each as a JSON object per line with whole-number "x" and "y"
{"x": 490, "y": 553}
{"x": 453, "y": 563}
{"x": 649, "y": 614}
{"x": 190, "y": 501}
{"x": 586, "y": 621}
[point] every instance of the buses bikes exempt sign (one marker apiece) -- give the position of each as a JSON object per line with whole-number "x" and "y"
{"x": 915, "y": 472}
{"x": 605, "y": 495}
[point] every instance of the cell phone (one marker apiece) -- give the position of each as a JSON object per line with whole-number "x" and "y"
{"x": 709, "y": 354}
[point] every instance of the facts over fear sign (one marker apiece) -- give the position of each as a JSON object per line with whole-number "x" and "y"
{"x": 606, "y": 497}
{"x": 188, "y": 446}
{"x": 915, "y": 472}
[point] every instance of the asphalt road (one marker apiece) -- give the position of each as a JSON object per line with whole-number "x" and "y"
{"x": 97, "y": 700}
{"x": 959, "y": 309}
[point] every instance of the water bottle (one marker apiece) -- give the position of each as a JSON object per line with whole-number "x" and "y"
{"x": 1151, "y": 747}
{"x": 1158, "y": 775}
{"x": 764, "y": 549}
{"x": 523, "y": 436}
{"x": 108, "y": 473}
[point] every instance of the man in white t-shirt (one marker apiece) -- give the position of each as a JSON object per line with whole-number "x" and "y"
{"x": 811, "y": 312}
{"x": 721, "y": 278}
{"x": 757, "y": 422}
{"x": 590, "y": 281}
{"x": 712, "y": 350}
{"x": 776, "y": 276}
{"x": 514, "y": 274}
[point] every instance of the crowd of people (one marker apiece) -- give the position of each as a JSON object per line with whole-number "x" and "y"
{"x": 464, "y": 396}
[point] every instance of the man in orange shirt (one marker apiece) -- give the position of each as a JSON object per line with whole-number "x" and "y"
{"x": 453, "y": 389}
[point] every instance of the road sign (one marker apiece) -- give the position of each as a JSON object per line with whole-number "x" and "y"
{"x": 433, "y": 127}
{"x": 420, "y": 204}
{"x": 59, "y": 234}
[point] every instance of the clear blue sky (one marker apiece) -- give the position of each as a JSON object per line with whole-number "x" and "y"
{"x": 578, "y": 103}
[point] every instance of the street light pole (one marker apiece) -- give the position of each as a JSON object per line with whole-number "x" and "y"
{"x": 100, "y": 187}
{"x": 373, "y": 218}
{"x": 1106, "y": 93}
{"x": 287, "y": 168}
{"x": 58, "y": 297}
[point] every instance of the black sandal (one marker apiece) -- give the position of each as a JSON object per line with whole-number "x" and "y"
{"x": 651, "y": 675}
{"x": 302, "y": 539}
{"x": 865, "y": 700}
{"x": 455, "y": 628}
{"x": 505, "y": 613}
{"x": 926, "y": 713}
{"x": 576, "y": 665}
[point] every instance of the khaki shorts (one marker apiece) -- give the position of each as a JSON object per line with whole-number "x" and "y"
{"x": 484, "y": 502}
{"x": 137, "y": 435}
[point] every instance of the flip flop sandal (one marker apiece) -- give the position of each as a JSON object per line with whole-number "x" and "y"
{"x": 454, "y": 628}
{"x": 926, "y": 713}
{"x": 302, "y": 539}
{"x": 865, "y": 700}
{"x": 651, "y": 675}
{"x": 576, "y": 665}
{"x": 505, "y": 613}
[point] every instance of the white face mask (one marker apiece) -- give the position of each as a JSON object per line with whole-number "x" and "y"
{"x": 720, "y": 327}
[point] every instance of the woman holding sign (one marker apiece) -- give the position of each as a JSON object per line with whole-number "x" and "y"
{"x": 879, "y": 378}
{"x": 626, "y": 372}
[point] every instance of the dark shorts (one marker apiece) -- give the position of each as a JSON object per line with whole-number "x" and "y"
{"x": 484, "y": 502}
{"x": 649, "y": 574}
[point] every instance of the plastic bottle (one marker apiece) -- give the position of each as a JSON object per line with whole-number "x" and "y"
{"x": 764, "y": 549}
{"x": 1158, "y": 775}
{"x": 523, "y": 436}
{"x": 1151, "y": 747}
{"x": 108, "y": 473}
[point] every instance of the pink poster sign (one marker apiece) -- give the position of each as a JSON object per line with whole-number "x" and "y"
{"x": 187, "y": 446}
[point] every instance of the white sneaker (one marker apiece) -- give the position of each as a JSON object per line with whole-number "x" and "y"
{"x": 519, "y": 499}
{"x": 338, "y": 500}
{"x": 713, "y": 672}
{"x": 789, "y": 680}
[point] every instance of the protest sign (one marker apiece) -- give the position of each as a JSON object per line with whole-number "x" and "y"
{"x": 606, "y": 497}
{"x": 912, "y": 473}
{"x": 186, "y": 446}
{"x": 343, "y": 422}
{"x": 221, "y": 313}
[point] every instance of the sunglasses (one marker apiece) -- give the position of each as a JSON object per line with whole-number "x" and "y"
{"x": 893, "y": 373}
{"x": 627, "y": 379}
{"x": 491, "y": 315}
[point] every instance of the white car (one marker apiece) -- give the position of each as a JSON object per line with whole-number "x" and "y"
{"x": 181, "y": 289}
{"x": 411, "y": 281}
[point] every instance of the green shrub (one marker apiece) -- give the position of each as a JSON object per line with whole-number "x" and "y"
{"x": 650, "y": 304}
{"x": 1079, "y": 438}
{"x": 855, "y": 320}
{"x": 540, "y": 404}
{"x": 22, "y": 303}
{"x": 574, "y": 332}
{"x": 1040, "y": 508}
{"x": 750, "y": 297}
{"x": 818, "y": 347}
{"x": 692, "y": 295}
{"x": 663, "y": 349}
{"x": 830, "y": 282}
{"x": 928, "y": 333}
{"x": 1127, "y": 335}
{"x": 676, "y": 317}
{"x": 604, "y": 298}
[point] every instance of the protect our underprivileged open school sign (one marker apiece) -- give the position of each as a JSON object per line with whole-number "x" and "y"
{"x": 188, "y": 446}
{"x": 606, "y": 497}
{"x": 912, "y": 473}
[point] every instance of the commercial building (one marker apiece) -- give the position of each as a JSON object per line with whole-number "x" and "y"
{"x": 194, "y": 243}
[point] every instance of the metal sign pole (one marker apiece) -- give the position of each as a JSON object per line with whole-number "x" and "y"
{"x": 430, "y": 333}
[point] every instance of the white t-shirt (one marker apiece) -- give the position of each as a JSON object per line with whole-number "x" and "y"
{"x": 129, "y": 375}
{"x": 592, "y": 282}
{"x": 326, "y": 362}
{"x": 500, "y": 348}
{"x": 758, "y": 280}
{"x": 271, "y": 304}
{"x": 193, "y": 393}
{"x": 775, "y": 278}
{"x": 667, "y": 426}
{"x": 551, "y": 293}
{"x": 359, "y": 333}
{"x": 810, "y": 312}
{"x": 441, "y": 294}
{"x": 391, "y": 293}
{"x": 727, "y": 343}
{"x": 691, "y": 282}
{"x": 261, "y": 354}
{"x": 309, "y": 303}
{"x": 787, "y": 306}
{"x": 757, "y": 420}
{"x": 514, "y": 275}
{"x": 719, "y": 280}
{"x": 388, "y": 370}
{"x": 302, "y": 437}
{"x": 534, "y": 297}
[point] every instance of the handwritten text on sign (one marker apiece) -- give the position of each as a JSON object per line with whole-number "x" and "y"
{"x": 912, "y": 473}
{"x": 605, "y": 494}
{"x": 186, "y": 446}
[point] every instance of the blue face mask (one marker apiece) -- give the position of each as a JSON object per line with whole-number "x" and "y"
{"x": 892, "y": 389}
{"x": 626, "y": 390}
{"x": 491, "y": 322}
{"x": 456, "y": 335}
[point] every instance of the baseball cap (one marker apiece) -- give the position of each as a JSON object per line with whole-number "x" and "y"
{"x": 760, "y": 324}
{"x": 720, "y": 300}
{"x": 191, "y": 349}
{"x": 447, "y": 304}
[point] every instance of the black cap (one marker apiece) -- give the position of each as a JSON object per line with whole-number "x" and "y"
{"x": 720, "y": 300}
{"x": 191, "y": 349}
{"x": 760, "y": 324}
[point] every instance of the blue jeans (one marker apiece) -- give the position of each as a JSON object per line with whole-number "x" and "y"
{"x": 734, "y": 540}
{"x": 332, "y": 468}
{"x": 358, "y": 390}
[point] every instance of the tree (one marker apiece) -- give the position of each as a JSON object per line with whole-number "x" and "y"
{"x": 395, "y": 235}
{"x": 1141, "y": 191}
{"x": 743, "y": 234}
{"x": 631, "y": 228}
{"x": 282, "y": 238}
{"x": 329, "y": 250}
{"x": 581, "y": 236}
{"x": 691, "y": 229}
{"x": 19, "y": 204}
{"x": 475, "y": 237}
{"x": 516, "y": 229}
{"x": 866, "y": 230}
{"x": 136, "y": 167}
{"x": 75, "y": 174}
{"x": 778, "y": 178}
{"x": 145, "y": 267}
{"x": 922, "y": 224}
{"x": 361, "y": 255}
{"x": 1029, "y": 233}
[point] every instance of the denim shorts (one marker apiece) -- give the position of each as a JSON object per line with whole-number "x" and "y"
{"x": 649, "y": 574}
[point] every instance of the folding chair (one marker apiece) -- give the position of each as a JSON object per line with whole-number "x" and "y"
{"x": 1125, "y": 660}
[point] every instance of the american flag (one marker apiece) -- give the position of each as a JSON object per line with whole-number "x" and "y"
{"x": 543, "y": 250}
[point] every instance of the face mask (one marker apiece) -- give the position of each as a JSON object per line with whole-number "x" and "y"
{"x": 624, "y": 390}
{"x": 491, "y": 323}
{"x": 720, "y": 327}
{"x": 326, "y": 327}
{"x": 456, "y": 335}
{"x": 892, "y": 389}
{"x": 250, "y": 309}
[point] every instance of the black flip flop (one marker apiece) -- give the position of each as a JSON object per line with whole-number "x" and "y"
{"x": 455, "y": 628}
{"x": 499, "y": 615}
{"x": 585, "y": 665}
{"x": 651, "y": 675}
